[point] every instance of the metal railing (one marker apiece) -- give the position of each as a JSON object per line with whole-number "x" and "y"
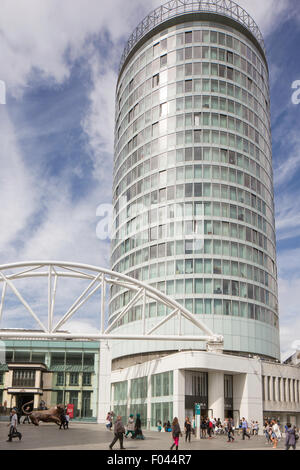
{"x": 175, "y": 8}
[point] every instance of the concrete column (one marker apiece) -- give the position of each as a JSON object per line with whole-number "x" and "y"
{"x": 288, "y": 390}
{"x": 149, "y": 395}
{"x": 216, "y": 394}
{"x": 129, "y": 396}
{"x": 272, "y": 398}
{"x": 104, "y": 381}
{"x": 278, "y": 387}
{"x": 36, "y": 401}
{"x": 247, "y": 397}
{"x": 112, "y": 396}
{"x": 264, "y": 385}
{"x": 294, "y": 390}
{"x": 38, "y": 374}
{"x": 179, "y": 395}
{"x": 282, "y": 390}
{"x": 276, "y": 398}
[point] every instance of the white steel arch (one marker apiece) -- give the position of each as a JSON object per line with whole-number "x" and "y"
{"x": 99, "y": 279}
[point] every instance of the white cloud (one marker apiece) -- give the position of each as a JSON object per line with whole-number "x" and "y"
{"x": 37, "y": 34}
{"x": 289, "y": 314}
{"x": 47, "y": 37}
{"x": 266, "y": 13}
{"x": 99, "y": 121}
{"x": 17, "y": 185}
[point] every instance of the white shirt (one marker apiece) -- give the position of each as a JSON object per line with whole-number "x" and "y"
{"x": 14, "y": 420}
{"x": 276, "y": 430}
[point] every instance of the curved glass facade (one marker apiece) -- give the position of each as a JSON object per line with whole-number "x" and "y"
{"x": 193, "y": 187}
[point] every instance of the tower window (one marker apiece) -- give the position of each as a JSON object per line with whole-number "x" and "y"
{"x": 164, "y": 60}
{"x": 155, "y": 80}
{"x": 188, "y": 37}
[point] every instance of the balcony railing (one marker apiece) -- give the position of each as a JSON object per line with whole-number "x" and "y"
{"x": 175, "y": 8}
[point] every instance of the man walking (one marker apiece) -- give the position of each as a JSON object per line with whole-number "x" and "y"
{"x": 244, "y": 429}
{"x": 229, "y": 430}
{"x": 119, "y": 430}
{"x": 13, "y": 427}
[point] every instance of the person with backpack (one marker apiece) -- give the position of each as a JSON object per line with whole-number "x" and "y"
{"x": 176, "y": 432}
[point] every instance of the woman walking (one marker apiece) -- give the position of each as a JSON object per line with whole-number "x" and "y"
{"x": 188, "y": 429}
{"x": 276, "y": 434}
{"x": 176, "y": 432}
{"x": 203, "y": 428}
{"x": 130, "y": 426}
{"x": 138, "y": 433}
{"x": 108, "y": 422}
{"x": 290, "y": 440}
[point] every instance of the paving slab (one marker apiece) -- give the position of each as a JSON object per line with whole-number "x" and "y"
{"x": 90, "y": 436}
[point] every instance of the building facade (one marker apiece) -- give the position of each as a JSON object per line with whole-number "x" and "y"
{"x": 193, "y": 187}
{"x": 51, "y": 372}
{"x": 194, "y": 216}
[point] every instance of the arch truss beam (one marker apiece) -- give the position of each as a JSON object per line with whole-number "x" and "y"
{"x": 99, "y": 279}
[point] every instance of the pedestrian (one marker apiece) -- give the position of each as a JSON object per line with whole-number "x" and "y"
{"x": 176, "y": 432}
{"x": 13, "y": 432}
{"x": 229, "y": 430}
{"x": 203, "y": 428}
{"x": 67, "y": 420}
{"x": 63, "y": 421}
{"x": 213, "y": 420}
{"x": 26, "y": 419}
{"x": 244, "y": 429}
{"x": 130, "y": 426}
{"x": 119, "y": 431}
{"x": 108, "y": 422}
{"x": 291, "y": 437}
{"x": 18, "y": 414}
{"x": 188, "y": 429}
{"x": 239, "y": 427}
{"x": 193, "y": 425}
{"x": 209, "y": 428}
{"x": 267, "y": 432}
{"x": 276, "y": 434}
{"x": 159, "y": 426}
{"x": 138, "y": 433}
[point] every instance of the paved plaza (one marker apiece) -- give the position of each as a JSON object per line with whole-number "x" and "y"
{"x": 86, "y": 436}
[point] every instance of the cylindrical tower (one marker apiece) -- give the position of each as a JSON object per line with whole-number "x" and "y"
{"x": 193, "y": 184}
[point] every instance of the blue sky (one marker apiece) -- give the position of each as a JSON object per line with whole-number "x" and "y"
{"x": 59, "y": 59}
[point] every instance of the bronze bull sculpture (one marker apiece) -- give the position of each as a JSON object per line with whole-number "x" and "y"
{"x": 53, "y": 415}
